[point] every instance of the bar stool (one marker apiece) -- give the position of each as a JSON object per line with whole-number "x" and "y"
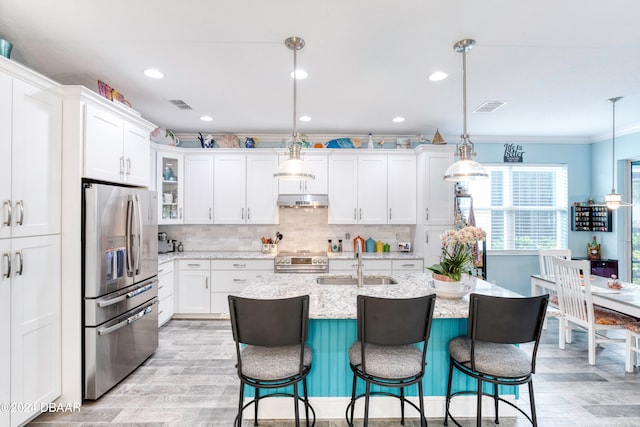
{"x": 386, "y": 353}
{"x": 488, "y": 354}
{"x": 271, "y": 352}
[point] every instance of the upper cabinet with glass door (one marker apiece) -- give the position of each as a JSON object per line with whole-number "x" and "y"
{"x": 170, "y": 187}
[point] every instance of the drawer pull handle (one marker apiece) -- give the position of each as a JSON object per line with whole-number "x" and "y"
{"x": 239, "y": 280}
{"x": 408, "y": 265}
{"x": 239, "y": 265}
{"x": 193, "y": 265}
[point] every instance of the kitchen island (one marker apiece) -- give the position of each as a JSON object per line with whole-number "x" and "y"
{"x": 332, "y": 330}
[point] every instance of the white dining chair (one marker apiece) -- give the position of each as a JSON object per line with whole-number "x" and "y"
{"x": 632, "y": 351}
{"x": 575, "y": 300}
{"x": 545, "y": 260}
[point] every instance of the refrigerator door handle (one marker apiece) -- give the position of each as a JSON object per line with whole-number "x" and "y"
{"x": 127, "y": 321}
{"x": 129, "y": 236}
{"x": 138, "y": 211}
{"x": 128, "y": 295}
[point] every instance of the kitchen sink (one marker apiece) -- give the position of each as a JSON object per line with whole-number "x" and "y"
{"x": 351, "y": 280}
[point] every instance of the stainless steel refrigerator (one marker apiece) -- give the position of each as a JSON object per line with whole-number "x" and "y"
{"x": 120, "y": 284}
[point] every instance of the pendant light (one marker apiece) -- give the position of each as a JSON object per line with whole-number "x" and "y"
{"x": 465, "y": 169}
{"x": 294, "y": 168}
{"x": 613, "y": 200}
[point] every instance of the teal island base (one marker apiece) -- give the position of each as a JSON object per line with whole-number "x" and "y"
{"x": 330, "y": 380}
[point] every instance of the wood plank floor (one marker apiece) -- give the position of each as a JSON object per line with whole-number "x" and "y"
{"x": 191, "y": 381}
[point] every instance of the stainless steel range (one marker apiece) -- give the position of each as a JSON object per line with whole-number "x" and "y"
{"x": 301, "y": 262}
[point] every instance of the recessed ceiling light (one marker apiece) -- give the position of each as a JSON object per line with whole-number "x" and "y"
{"x": 398, "y": 119}
{"x": 300, "y": 74}
{"x": 305, "y": 118}
{"x": 153, "y": 73}
{"x": 437, "y": 76}
{"x": 206, "y": 118}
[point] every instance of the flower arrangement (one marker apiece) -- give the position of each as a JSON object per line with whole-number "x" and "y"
{"x": 457, "y": 252}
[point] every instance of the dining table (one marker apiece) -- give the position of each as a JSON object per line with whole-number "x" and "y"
{"x": 624, "y": 300}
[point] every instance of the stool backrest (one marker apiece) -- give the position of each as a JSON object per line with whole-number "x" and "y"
{"x": 388, "y": 321}
{"x": 506, "y": 320}
{"x": 269, "y": 322}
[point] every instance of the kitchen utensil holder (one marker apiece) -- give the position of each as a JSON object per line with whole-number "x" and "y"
{"x": 269, "y": 248}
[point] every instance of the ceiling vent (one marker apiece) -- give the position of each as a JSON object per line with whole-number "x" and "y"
{"x": 489, "y": 106}
{"x": 180, "y": 104}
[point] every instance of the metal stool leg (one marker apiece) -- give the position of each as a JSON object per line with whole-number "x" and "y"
{"x": 479, "y": 409}
{"x": 534, "y": 419}
{"x": 423, "y": 420}
{"x": 353, "y": 400}
{"x": 306, "y": 400}
{"x": 448, "y": 399}
{"x": 255, "y": 407}
{"x": 402, "y": 405}
{"x": 240, "y": 401}
{"x": 495, "y": 401}
{"x": 295, "y": 403}
{"x": 366, "y": 404}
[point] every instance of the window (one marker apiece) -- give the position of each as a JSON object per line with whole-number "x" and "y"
{"x": 522, "y": 207}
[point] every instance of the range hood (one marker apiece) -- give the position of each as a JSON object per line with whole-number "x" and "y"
{"x": 303, "y": 200}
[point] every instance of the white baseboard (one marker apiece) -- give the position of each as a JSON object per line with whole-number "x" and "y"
{"x": 379, "y": 407}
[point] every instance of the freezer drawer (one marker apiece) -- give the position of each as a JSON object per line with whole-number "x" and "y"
{"x": 99, "y": 310}
{"x": 116, "y": 348}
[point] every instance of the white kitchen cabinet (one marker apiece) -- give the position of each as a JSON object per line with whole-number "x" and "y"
{"x": 116, "y": 148}
{"x": 372, "y": 189}
{"x": 165, "y": 292}
{"x": 194, "y": 278}
{"x": 36, "y": 346}
{"x": 230, "y": 277}
{"x": 435, "y": 195}
{"x": 170, "y": 187}
{"x": 30, "y": 226}
{"x": 343, "y": 189}
{"x": 431, "y": 244}
{"x": 357, "y": 189}
{"x": 245, "y": 191}
{"x": 30, "y": 158}
{"x": 407, "y": 265}
{"x": 368, "y": 188}
{"x": 369, "y": 266}
{"x": 153, "y": 178}
{"x": 401, "y": 189}
{"x": 5, "y": 328}
{"x": 198, "y": 189}
{"x": 318, "y": 163}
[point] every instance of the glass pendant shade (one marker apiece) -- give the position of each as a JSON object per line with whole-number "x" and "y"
{"x": 613, "y": 200}
{"x": 465, "y": 169}
{"x": 294, "y": 168}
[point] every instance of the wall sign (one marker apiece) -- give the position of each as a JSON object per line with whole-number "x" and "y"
{"x": 513, "y": 153}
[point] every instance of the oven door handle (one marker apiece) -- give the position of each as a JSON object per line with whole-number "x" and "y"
{"x": 123, "y": 297}
{"x": 129, "y": 320}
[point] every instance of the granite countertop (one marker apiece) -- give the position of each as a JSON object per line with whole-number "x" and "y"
{"x": 339, "y": 301}
{"x": 259, "y": 255}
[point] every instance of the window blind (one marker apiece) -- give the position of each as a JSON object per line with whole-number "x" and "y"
{"x": 522, "y": 207}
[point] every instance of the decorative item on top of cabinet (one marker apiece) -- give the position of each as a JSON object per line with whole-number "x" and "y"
{"x": 591, "y": 218}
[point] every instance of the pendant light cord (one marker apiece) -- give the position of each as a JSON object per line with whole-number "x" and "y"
{"x": 613, "y": 145}
{"x": 295, "y": 93}
{"x": 464, "y": 96}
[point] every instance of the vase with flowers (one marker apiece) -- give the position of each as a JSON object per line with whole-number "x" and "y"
{"x": 457, "y": 256}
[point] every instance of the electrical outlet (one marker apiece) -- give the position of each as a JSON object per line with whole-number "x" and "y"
{"x": 347, "y": 236}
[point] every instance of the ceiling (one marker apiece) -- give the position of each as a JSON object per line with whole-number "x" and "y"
{"x": 554, "y": 62}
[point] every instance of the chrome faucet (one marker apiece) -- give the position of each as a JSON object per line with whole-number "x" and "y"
{"x": 358, "y": 255}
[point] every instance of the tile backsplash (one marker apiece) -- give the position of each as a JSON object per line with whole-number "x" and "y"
{"x": 302, "y": 229}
